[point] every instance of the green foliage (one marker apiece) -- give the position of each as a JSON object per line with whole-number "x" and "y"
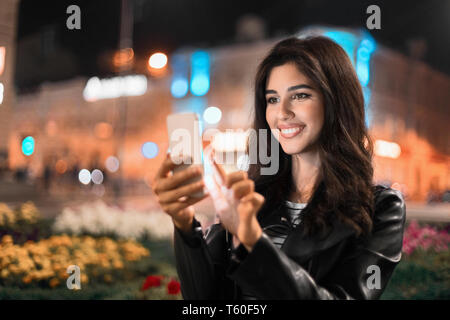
{"x": 423, "y": 275}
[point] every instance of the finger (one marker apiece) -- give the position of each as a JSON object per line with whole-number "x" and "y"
{"x": 242, "y": 188}
{"x": 234, "y": 177}
{"x": 174, "y": 195}
{"x": 165, "y": 168}
{"x": 175, "y": 209}
{"x": 178, "y": 178}
{"x": 219, "y": 170}
{"x": 256, "y": 199}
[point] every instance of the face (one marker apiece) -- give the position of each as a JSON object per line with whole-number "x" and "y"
{"x": 295, "y": 110}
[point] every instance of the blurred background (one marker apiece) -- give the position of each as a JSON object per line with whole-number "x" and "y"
{"x": 83, "y": 126}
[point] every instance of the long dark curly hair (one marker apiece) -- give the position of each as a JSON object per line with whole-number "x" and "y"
{"x": 344, "y": 189}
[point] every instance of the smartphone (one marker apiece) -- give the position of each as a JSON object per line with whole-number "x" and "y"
{"x": 185, "y": 144}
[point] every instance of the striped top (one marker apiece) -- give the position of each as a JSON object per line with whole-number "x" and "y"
{"x": 279, "y": 233}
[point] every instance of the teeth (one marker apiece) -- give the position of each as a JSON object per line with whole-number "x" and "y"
{"x": 291, "y": 130}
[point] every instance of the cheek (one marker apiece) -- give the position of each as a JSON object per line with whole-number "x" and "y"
{"x": 270, "y": 117}
{"x": 316, "y": 116}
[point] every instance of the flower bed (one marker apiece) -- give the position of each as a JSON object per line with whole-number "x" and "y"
{"x": 424, "y": 271}
{"x": 45, "y": 262}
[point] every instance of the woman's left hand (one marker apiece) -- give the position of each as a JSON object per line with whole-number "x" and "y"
{"x": 239, "y": 218}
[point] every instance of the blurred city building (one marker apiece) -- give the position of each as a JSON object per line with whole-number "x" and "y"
{"x": 77, "y": 123}
{"x": 8, "y": 13}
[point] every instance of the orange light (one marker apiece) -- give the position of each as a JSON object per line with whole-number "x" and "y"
{"x": 61, "y": 166}
{"x": 123, "y": 57}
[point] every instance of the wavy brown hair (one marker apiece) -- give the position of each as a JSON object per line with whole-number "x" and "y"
{"x": 344, "y": 188}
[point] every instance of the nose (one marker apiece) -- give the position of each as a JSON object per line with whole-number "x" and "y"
{"x": 284, "y": 111}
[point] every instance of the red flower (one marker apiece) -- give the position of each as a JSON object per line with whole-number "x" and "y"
{"x": 151, "y": 281}
{"x": 173, "y": 287}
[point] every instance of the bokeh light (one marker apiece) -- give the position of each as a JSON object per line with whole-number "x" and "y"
{"x": 84, "y": 176}
{"x": 28, "y": 146}
{"x": 112, "y": 164}
{"x": 157, "y": 60}
{"x": 61, "y": 166}
{"x": 150, "y": 150}
{"x": 179, "y": 88}
{"x": 97, "y": 176}
{"x": 2, "y": 89}
{"x": 212, "y": 115}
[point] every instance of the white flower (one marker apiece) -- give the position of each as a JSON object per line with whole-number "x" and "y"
{"x": 97, "y": 218}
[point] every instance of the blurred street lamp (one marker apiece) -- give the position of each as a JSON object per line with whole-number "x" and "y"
{"x": 123, "y": 59}
{"x": 157, "y": 64}
{"x": 157, "y": 60}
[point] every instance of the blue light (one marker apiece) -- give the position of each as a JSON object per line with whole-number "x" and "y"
{"x": 200, "y": 85}
{"x": 366, "y": 47}
{"x": 179, "y": 87}
{"x": 200, "y": 64}
{"x": 190, "y": 104}
{"x": 180, "y": 69}
{"x": 28, "y": 146}
{"x": 368, "y": 115}
{"x": 149, "y": 150}
{"x": 363, "y": 54}
{"x": 362, "y": 70}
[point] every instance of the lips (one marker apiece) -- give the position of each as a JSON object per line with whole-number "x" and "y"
{"x": 290, "y": 130}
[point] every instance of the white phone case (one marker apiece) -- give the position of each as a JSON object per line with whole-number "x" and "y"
{"x": 185, "y": 139}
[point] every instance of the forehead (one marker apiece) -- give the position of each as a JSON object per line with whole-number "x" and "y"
{"x": 285, "y": 75}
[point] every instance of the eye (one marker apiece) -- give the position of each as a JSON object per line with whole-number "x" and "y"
{"x": 272, "y": 100}
{"x": 299, "y": 96}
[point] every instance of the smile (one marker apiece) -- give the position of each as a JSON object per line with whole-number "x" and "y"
{"x": 291, "y": 132}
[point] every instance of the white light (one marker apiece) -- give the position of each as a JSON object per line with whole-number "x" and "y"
{"x": 84, "y": 176}
{"x": 212, "y": 115}
{"x": 387, "y": 149}
{"x": 2, "y": 88}
{"x": 112, "y": 164}
{"x": 134, "y": 85}
{"x": 97, "y": 176}
{"x": 158, "y": 60}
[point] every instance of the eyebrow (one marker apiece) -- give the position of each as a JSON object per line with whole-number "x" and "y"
{"x": 299, "y": 86}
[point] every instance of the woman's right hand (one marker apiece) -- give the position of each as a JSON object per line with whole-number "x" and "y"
{"x": 174, "y": 199}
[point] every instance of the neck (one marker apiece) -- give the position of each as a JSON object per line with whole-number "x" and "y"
{"x": 305, "y": 171}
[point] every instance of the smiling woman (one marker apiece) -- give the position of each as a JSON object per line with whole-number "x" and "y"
{"x": 318, "y": 227}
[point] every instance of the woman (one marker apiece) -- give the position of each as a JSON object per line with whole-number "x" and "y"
{"x": 316, "y": 229}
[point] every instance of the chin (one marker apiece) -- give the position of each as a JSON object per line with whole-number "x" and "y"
{"x": 292, "y": 149}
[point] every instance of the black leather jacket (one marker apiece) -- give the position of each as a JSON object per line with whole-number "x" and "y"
{"x": 336, "y": 267}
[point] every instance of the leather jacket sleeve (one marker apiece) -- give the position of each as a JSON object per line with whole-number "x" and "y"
{"x": 202, "y": 274}
{"x": 207, "y": 272}
{"x": 284, "y": 279}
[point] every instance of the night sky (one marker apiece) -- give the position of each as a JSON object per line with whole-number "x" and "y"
{"x": 169, "y": 24}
